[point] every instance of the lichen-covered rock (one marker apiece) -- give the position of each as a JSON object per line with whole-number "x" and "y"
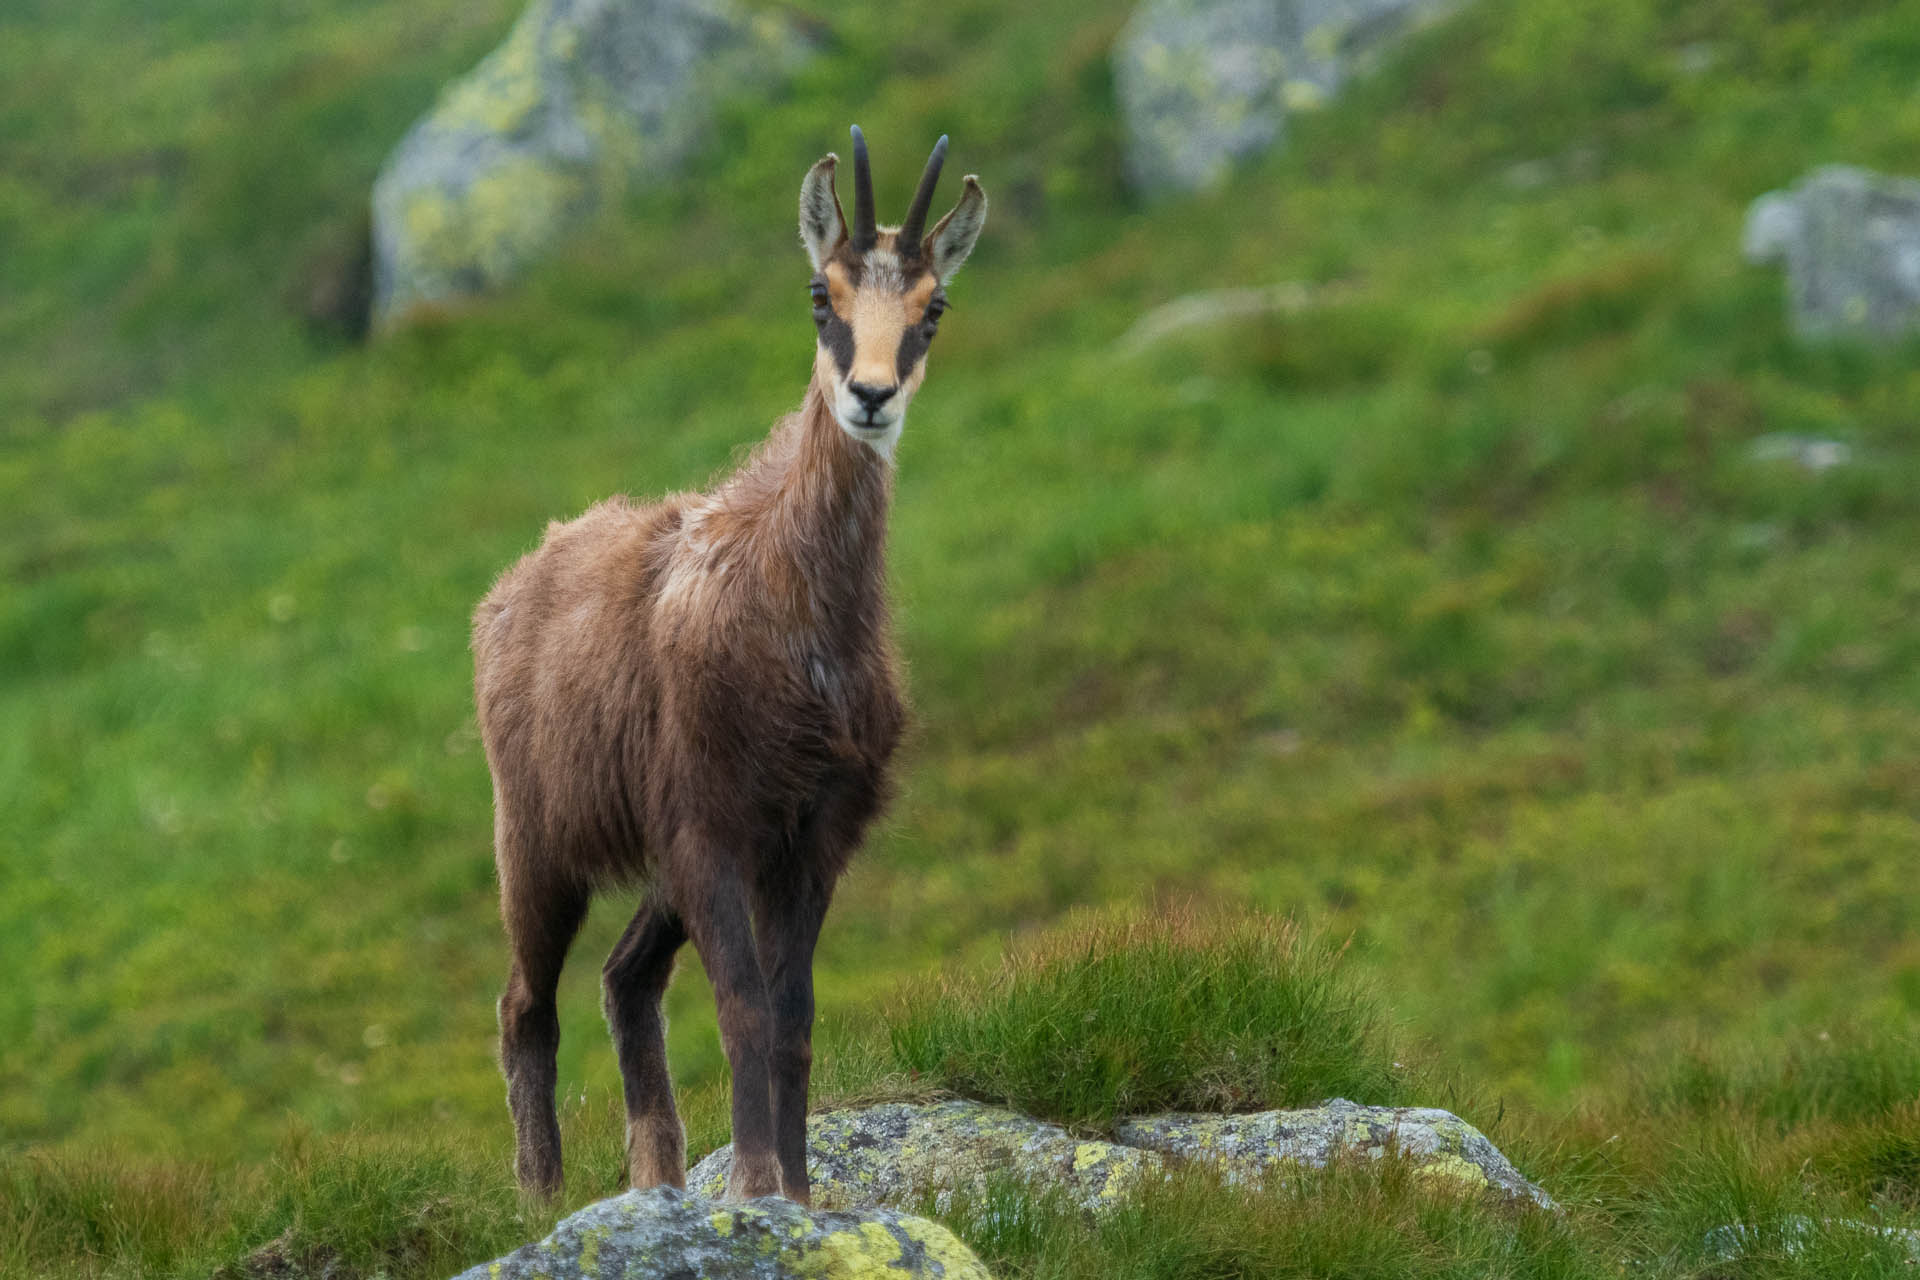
{"x": 1850, "y": 240}
{"x": 584, "y": 98}
{"x": 663, "y": 1232}
{"x": 906, "y": 1155}
{"x": 1439, "y": 1144}
{"x": 1203, "y": 83}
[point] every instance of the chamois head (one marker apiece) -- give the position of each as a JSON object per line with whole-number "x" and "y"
{"x": 878, "y": 291}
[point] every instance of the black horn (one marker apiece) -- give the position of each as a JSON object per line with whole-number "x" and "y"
{"x": 865, "y": 229}
{"x": 908, "y": 241}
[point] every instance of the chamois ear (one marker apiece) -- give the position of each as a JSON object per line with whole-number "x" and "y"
{"x": 951, "y": 239}
{"x": 822, "y": 225}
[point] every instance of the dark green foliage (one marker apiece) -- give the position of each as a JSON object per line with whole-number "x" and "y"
{"x": 1173, "y": 1012}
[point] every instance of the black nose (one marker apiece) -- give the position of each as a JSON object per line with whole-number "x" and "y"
{"x": 871, "y": 396}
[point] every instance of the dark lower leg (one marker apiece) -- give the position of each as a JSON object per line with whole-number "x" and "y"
{"x": 787, "y": 926}
{"x": 635, "y": 980}
{"x": 530, "y": 1040}
{"x": 725, "y": 941}
{"x": 529, "y": 1043}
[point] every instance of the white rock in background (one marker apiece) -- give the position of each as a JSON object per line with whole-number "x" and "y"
{"x": 1204, "y": 83}
{"x": 1850, "y": 241}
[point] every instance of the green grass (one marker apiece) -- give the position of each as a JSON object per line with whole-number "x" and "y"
{"x": 1456, "y": 616}
{"x": 1165, "y": 1013}
{"x": 1799, "y": 1151}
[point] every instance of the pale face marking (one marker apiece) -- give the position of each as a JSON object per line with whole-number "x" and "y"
{"x": 874, "y": 314}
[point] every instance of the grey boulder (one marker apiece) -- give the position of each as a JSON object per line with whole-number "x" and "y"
{"x": 1850, "y": 241}
{"x": 909, "y": 1154}
{"x": 1439, "y": 1144}
{"x": 1204, "y": 83}
{"x": 901, "y": 1153}
{"x": 583, "y": 99}
{"x": 663, "y": 1232}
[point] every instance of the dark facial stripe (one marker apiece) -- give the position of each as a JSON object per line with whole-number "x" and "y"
{"x": 836, "y": 335}
{"x": 913, "y": 348}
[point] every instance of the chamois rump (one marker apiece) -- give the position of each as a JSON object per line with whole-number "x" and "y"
{"x": 701, "y": 696}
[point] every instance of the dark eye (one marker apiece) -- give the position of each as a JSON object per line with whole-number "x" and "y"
{"x": 936, "y": 307}
{"x": 819, "y": 290}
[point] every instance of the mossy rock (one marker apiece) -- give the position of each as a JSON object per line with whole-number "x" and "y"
{"x": 1438, "y": 1144}
{"x": 585, "y": 98}
{"x": 900, "y": 1153}
{"x": 666, "y": 1232}
{"x": 908, "y": 1154}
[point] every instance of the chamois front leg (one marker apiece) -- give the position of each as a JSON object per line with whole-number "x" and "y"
{"x": 787, "y": 919}
{"x": 722, "y": 932}
{"x": 635, "y": 980}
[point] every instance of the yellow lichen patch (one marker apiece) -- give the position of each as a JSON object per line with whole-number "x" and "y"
{"x": 1454, "y": 1170}
{"x": 943, "y": 1247}
{"x": 506, "y": 87}
{"x": 722, "y": 1222}
{"x": 590, "y": 1249}
{"x": 872, "y": 1250}
{"x": 848, "y": 1254}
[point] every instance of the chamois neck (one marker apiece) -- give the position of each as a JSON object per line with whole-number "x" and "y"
{"x": 813, "y": 502}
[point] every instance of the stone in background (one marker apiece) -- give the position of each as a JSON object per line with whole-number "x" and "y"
{"x": 1205, "y": 83}
{"x": 583, "y": 99}
{"x": 1850, "y": 241}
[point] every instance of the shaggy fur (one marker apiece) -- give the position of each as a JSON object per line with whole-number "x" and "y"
{"x": 702, "y": 696}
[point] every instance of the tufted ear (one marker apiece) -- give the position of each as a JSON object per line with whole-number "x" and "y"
{"x": 951, "y": 239}
{"x": 822, "y": 226}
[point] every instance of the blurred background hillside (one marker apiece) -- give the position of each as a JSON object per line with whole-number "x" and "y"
{"x": 1515, "y": 593}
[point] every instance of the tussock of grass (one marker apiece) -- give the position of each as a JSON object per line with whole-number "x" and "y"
{"x": 1181, "y": 1011}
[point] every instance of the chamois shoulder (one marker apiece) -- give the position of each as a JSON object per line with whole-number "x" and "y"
{"x": 611, "y": 552}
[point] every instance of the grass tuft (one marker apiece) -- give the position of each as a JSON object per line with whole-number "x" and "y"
{"x": 1181, "y": 1011}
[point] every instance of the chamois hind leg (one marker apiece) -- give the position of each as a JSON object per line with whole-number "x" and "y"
{"x": 541, "y": 920}
{"x": 787, "y": 919}
{"x": 717, "y": 918}
{"x": 635, "y": 980}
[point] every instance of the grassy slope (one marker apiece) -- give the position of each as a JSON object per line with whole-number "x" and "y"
{"x": 1455, "y": 614}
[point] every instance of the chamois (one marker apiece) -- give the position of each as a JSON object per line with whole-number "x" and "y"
{"x": 701, "y": 697}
